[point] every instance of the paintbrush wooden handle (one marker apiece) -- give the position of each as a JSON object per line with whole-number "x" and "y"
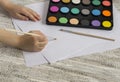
{"x": 89, "y": 35}
{"x": 12, "y": 30}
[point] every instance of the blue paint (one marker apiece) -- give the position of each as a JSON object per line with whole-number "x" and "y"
{"x": 64, "y": 9}
{"x": 96, "y": 12}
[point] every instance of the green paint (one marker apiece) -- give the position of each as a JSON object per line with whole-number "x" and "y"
{"x": 96, "y": 2}
{"x": 63, "y": 20}
{"x": 75, "y": 11}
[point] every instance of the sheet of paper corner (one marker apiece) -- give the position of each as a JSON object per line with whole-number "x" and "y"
{"x": 29, "y": 57}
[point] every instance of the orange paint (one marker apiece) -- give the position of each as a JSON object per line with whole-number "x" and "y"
{"x": 106, "y": 13}
{"x": 52, "y": 19}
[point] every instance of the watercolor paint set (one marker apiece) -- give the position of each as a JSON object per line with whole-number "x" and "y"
{"x": 96, "y": 14}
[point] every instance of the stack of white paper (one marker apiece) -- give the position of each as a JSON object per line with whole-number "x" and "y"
{"x": 67, "y": 45}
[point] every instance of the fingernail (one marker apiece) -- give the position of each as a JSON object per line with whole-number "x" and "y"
{"x": 35, "y": 20}
{"x": 38, "y": 18}
{"x": 38, "y": 15}
{"x": 26, "y": 19}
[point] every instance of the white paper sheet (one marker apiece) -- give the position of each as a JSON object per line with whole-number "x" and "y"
{"x": 67, "y": 45}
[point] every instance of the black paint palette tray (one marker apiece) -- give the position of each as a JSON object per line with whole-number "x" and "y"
{"x": 96, "y": 14}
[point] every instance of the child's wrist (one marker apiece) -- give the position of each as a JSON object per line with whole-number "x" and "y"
{"x": 5, "y": 4}
{"x": 17, "y": 42}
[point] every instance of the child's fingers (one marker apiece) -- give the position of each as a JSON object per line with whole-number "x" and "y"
{"x": 19, "y": 16}
{"x": 40, "y": 48}
{"x": 41, "y": 44}
{"x": 41, "y": 37}
{"x": 37, "y": 32}
{"x": 34, "y": 14}
{"x": 29, "y": 15}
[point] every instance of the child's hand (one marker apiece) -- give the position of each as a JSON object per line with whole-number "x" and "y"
{"x": 32, "y": 43}
{"x": 20, "y": 12}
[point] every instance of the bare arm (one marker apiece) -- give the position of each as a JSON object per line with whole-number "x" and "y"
{"x": 9, "y": 38}
{"x": 18, "y": 11}
{"x": 24, "y": 42}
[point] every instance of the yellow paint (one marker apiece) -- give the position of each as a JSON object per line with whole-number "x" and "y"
{"x": 66, "y": 1}
{"x": 107, "y": 24}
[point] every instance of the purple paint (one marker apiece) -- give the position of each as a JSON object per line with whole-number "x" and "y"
{"x": 54, "y": 9}
{"x": 95, "y": 23}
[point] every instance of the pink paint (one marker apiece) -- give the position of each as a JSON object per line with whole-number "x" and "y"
{"x": 55, "y": 0}
{"x": 54, "y": 9}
